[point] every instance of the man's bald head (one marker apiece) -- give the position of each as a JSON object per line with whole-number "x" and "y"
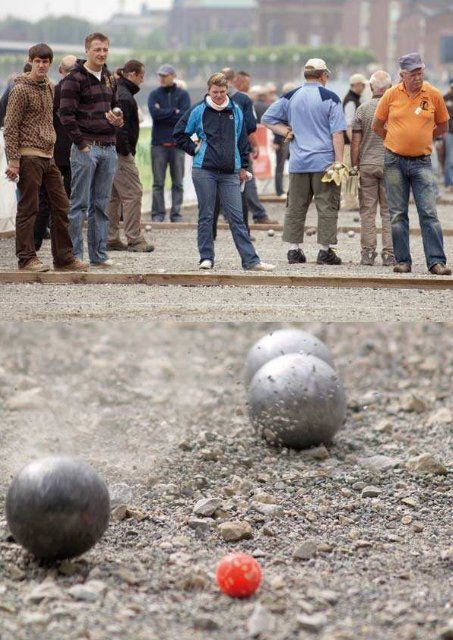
{"x": 67, "y": 64}
{"x": 380, "y": 81}
{"x": 229, "y": 73}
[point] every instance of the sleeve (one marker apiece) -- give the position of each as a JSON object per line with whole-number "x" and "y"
{"x": 122, "y": 133}
{"x": 69, "y": 107}
{"x": 337, "y": 120}
{"x": 15, "y": 110}
{"x": 382, "y": 111}
{"x": 441, "y": 114}
{"x": 277, "y": 112}
{"x": 159, "y": 114}
{"x": 357, "y": 122}
{"x": 349, "y": 113}
{"x": 184, "y": 129}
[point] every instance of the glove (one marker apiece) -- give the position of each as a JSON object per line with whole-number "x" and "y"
{"x": 335, "y": 173}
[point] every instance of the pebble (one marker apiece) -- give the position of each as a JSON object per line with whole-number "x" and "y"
{"x": 206, "y": 507}
{"x": 269, "y": 510}
{"x": 26, "y": 400}
{"x": 47, "y": 590}
{"x": 412, "y": 403}
{"x": 305, "y": 551}
{"x": 88, "y": 592}
{"x": 232, "y": 531}
{"x": 443, "y": 416}
{"x": 201, "y": 524}
{"x": 317, "y": 453}
{"x": 384, "y": 426}
{"x": 379, "y": 463}
{"x": 313, "y": 623}
{"x": 406, "y": 520}
{"x": 371, "y": 492}
{"x": 261, "y": 622}
{"x": 426, "y": 463}
{"x": 417, "y": 527}
{"x": 119, "y": 513}
{"x": 120, "y": 494}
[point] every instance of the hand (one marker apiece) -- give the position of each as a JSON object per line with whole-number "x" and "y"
{"x": 12, "y": 172}
{"x": 276, "y": 147}
{"x": 255, "y": 152}
{"x": 243, "y": 175}
{"x": 116, "y": 121}
{"x": 289, "y": 135}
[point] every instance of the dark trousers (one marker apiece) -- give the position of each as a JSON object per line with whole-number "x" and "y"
{"x": 281, "y": 156}
{"x": 43, "y": 217}
{"x": 36, "y": 172}
{"x": 161, "y": 158}
{"x": 245, "y": 213}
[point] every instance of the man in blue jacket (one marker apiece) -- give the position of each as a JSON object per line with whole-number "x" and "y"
{"x": 166, "y": 105}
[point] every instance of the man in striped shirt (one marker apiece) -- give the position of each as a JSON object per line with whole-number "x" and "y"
{"x": 88, "y": 95}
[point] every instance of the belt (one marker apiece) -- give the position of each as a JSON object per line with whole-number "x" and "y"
{"x": 100, "y": 143}
{"x": 168, "y": 144}
{"x": 398, "y": 155}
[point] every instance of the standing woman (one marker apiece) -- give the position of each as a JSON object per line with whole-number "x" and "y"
{"x": 127, "y": 188}
{"x": 220, "y": 162}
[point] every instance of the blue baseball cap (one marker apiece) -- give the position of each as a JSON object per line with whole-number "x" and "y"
{"x": 166, "y": 70}
{"x": 411, "y": 61}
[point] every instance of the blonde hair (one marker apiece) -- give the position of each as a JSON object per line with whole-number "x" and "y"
{"x": 218, "y": 79}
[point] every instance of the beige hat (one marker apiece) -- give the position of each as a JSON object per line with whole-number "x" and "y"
{"x": 357, "y": 78}
{"x": 316, "y": 64}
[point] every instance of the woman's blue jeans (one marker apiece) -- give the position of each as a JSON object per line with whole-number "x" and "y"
{"x": 207, "y": 184}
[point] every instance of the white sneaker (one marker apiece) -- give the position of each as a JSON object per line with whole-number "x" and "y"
{"x": 262, "y": 266}
{"x": 205, "y": 264}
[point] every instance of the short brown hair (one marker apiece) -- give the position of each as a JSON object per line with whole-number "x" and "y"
{"x": 313, "y": 74}
{"x": 131, "y": 66}
{"x": 95, "y": 36}
{"x": 40, "y": 50}
{"x": 218, "y": 79}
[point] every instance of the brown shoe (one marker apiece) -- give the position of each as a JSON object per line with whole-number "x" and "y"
{"x": 74, "y": 265}
{"x": 440, "y": 270}
{"x": 388, "y": 259}
{"x": 402, "y": 267}
{"x": 35, "y": 266}
{"x": 141, "y": 247}
{"x": 116, "y": 246}
{"x": 266, "y": 220}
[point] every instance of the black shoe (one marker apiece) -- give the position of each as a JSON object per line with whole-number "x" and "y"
{"x": 157, "y": 217}
{"x": 328, "y": 257}
{"x": 296, "y": 256}
{"x": 176, "y": 218}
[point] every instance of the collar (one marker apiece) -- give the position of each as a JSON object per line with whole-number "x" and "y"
{"x": 131, "y": 86}
{"x": 402, "y": 88}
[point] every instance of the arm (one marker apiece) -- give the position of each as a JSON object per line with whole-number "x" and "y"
{"x": 276, "y": 117}
{"x": 338, "y": 145}
{"x": 160, "y": 114}
{"x": 349, "y": 113}
{"x": 69, "y": 107}
{"x": 184, "y": 129}
{"x": 378, "y": 127}
{"x": 13, "y": 120}
{"x": 440, "y": 129}
{"x": 355, "y": 148}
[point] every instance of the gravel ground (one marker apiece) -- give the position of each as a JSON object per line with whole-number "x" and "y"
{"x": 353, "y": 546}
{"x": 176, "y": 252}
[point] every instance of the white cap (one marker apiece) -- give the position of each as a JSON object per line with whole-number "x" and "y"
{"x": 316, "y": 64}
{"x": 357, "y": 78}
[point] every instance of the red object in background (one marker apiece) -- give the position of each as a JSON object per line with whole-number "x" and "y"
{"x": 238, "y": 575}
{"x": 262, "y": 167}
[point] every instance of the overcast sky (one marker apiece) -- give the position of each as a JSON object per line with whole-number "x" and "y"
{"x": 97, "y": 11}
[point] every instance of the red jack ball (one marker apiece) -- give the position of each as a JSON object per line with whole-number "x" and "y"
{"x": 238, "y": 575}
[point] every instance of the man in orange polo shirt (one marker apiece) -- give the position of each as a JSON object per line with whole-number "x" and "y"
{"x": 408, "y": 117}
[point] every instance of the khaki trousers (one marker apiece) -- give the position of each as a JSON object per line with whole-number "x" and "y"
{"x": 126, "y": 195}
{"x": 349, "y": 196}
{"x": 371, "y": 194}
{"x": 303, "y": 187}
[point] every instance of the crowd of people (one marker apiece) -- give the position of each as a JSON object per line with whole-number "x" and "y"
{"x": 71, "y": 149}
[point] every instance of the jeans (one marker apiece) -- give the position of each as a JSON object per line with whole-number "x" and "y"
{"x": 400, "y": 175}
{"x": 449, "y": 160}
{"x": 253, "y": 200}
{"x": 281, "y": 156}
{"x": 161, "y": 158}
{"x": 207, "y": 185}
{"x": 92, "y": 175}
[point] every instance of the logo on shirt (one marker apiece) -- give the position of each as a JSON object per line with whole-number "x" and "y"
{"x": 424, "y": 105}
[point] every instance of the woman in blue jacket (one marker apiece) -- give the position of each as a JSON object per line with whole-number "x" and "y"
{"x": 219, "y": 166}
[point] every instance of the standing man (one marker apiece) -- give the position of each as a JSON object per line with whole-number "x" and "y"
{"x": 313, "y": 116}
{"x": 127, "y": 188}
{"x": 29, "y": 139}
{"x": 351, "y": 102}
{"x": 448, "y": 97}
{"x": 408, "y": 117}
{"x": 367, "y": 157}
{"x": 238, "y": 86}
{"x": 281, "y": 149}
{"x": 88, "y": 95}
{"x": 62, "y": 150}
{"x": 166, "y": 105}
